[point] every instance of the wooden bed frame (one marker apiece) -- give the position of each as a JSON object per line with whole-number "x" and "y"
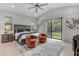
{"x": 21, "y": 28}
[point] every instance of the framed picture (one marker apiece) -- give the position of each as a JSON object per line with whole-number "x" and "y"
{"x": 8, "y": 23}
{"x": 8, "y": 27}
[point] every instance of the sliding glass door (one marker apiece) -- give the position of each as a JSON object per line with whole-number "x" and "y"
{"x": 54, "y": 28}
{"x": 49, "y": 28}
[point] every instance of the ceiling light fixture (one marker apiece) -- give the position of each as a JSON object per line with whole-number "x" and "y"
{"x": 36, "y": 14}
{"x": 37, "y": 6}
{"x": 13, "y": 6}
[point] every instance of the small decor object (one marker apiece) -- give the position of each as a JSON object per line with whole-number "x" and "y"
{"x": 42, "y": 38}
{"x": 31, "y": 41}
{"x": 7, "y": 38}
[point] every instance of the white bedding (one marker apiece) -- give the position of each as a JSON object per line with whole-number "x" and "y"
{"x": 17, "y": 34}
{"x": 24, "y": 36}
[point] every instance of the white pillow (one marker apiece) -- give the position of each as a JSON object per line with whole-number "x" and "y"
{"x": 17, "y": 34}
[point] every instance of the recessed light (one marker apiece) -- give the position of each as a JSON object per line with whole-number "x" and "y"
{"x": 36, "y": 14}
{"x": 13, "y": 6}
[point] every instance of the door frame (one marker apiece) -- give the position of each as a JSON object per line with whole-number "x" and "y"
{"x": 51, "y": 27}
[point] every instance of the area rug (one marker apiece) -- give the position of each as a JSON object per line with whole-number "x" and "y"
{"x": 52, "y": 47}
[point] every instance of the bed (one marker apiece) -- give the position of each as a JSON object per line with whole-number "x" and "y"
{"x": 52, "y": 47}
{"x": 21, "y": 31}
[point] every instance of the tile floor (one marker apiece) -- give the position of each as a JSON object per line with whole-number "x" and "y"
{"x": 11, "y": 49}
{"x": 67, "y": 51}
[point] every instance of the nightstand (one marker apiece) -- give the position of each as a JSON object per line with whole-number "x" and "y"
{"x": 7, "y": 38}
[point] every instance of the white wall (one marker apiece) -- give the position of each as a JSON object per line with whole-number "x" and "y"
{"x": 17, "y": 19}
{"x": 43, "y": 27}
{"x": 67, "y": 13}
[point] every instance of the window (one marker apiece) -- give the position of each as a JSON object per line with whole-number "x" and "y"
{"x": 54, "y": 28}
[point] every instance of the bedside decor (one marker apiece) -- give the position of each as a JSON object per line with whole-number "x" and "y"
{"x": 7, "y": 38}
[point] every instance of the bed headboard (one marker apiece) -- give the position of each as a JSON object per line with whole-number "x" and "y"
{"x": 21, "y": 28}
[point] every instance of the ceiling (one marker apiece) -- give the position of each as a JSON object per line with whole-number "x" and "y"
{"x": 22, "y": 8}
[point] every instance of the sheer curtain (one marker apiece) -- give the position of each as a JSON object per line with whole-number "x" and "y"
{"x": 43, "y": 27}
